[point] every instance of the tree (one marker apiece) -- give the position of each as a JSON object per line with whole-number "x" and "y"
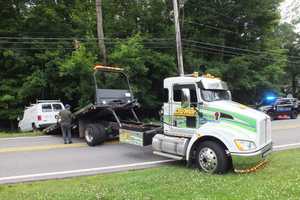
{"x": 290, "y": 41}
{"x": 38, "y": 58}
{"x": 146, "y": 69}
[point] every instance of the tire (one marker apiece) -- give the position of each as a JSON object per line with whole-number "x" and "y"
{"x": 212, "y": 158}
{"x": 94, "y": 134}
{"x": 271, "y": 115}
{"x": 294, "y": 114}
{"x": 34, "y": 128}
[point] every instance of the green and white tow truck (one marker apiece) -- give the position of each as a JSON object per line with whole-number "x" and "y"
{"x": 202, "y": 125}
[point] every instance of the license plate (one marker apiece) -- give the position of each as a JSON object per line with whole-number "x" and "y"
{"x": 283, "y": 109}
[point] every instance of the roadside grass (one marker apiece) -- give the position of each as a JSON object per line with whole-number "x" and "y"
{"x": 280, "y": 179}
{"x": 20, "y": 134}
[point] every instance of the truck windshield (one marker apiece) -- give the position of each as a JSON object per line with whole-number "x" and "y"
{"x": 111, "y": 81}
{"x": 214, "y": 95}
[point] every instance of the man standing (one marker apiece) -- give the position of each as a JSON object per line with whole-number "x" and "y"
{"x": 65, "y": 124}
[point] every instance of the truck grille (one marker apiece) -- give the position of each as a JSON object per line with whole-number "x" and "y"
{"x": 264, "y": 131}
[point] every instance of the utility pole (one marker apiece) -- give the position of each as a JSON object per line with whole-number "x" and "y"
{"x": 178, "y": 39}
{"x": 100, "y": 32}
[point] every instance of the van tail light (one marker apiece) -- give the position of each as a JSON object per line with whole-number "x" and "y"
{"x": 39, "y": 118}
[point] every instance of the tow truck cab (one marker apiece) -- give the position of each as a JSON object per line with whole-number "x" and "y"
{"x": 201, "y": 124}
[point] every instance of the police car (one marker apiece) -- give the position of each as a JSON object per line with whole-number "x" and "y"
{"x": 281, "y": 107}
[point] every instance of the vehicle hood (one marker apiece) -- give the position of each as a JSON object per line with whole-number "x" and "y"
{"x": 237, "y": 108}
{"x": 235, "y": 114}
{"x": 263, "y": 108}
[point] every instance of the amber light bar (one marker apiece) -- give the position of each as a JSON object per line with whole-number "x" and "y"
{"x": 107, "y": 68}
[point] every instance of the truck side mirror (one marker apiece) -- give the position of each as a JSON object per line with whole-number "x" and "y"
{"x": 185, "y": 97}
{"x": 229, "y": 94}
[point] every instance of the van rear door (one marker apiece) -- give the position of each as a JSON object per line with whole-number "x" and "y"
{"x": 46, "y": 115}
{"x": 57, "y": 107}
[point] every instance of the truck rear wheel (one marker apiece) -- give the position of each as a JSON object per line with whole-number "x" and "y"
{"x": 211, "y": 158}
{"x": 94, "y": 134}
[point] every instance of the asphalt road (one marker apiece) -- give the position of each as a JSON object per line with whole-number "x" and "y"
{"x": 46, "y": 157}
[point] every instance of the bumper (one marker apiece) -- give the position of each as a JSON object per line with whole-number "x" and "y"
{"x": 242, "y": 161}
{"x": 44, "y": 125}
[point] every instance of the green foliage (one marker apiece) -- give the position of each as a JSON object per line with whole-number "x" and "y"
{"x": 34, "y": 66}
{"x": 146, "y": 68}
{"x": 290, "y": 40}
{"x": 20, "y": 134}
{"x": 76, "y": 70}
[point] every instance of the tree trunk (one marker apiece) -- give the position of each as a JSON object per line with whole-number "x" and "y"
{"x": 12, "y": 125}
{"x": 100, "y": 32}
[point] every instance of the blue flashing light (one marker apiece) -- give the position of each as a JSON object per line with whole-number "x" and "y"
{"x": 270, "y": 98}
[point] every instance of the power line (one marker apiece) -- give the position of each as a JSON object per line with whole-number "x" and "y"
{"x": 76, "y": 38}
{"x": 238, "y": 49}
{"x": 70, "y": 42}
{"x": 223, "y": 51}
{"x": 226, "y": 18}
{"x": 213, "y": 27}
{"x": 61, "y": 41}
{"x": 32, "y": 48}
{"x": 217, "y": 50}
{"x": 209, "y": 52}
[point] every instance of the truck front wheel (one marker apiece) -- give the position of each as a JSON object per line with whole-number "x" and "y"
{"x": 211, "y": 158}
{"x": 94, "y": 134}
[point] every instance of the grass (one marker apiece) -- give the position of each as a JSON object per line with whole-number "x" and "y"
{"x": 19, "y": 134}
{"x": 280, "y": 179}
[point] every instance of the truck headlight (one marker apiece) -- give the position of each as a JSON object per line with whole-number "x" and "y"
{"x": 245, "y": 145}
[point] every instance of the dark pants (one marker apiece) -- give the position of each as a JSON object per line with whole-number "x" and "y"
{"x": 66, "y": 131}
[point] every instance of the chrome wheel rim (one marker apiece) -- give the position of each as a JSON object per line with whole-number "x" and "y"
{"x": 208, "y": 159}
{"x": 88, "y": 136}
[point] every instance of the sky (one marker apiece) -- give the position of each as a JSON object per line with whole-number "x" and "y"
{"x": 290, "y": 9}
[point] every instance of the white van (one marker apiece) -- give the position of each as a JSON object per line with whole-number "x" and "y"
{"x": 40, "y": 115}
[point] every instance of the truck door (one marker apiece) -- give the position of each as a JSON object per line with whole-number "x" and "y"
{"x": 184, "y": 115}
{"x": 167, "y": 116}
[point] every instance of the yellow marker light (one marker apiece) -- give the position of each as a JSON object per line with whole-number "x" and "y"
{"x": 245, "y": 145}
{"x": 210, "y": 76}
{"x": 243, "y": 106}
{"x": 108, "y": 69}
{"x": 195, "y": 74}
{"x": 238, "y": 145}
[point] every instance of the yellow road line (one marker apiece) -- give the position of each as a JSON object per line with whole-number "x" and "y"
{"x": 285, "y": 127}
{"x": 49, "y": 147}
{"x": 112, "y": 142}
{"x": 43, "y": 147}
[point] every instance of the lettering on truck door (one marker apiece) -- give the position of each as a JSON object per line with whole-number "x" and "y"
{"x": 184, "y": 114}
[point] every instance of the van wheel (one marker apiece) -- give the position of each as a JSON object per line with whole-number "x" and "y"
{"x": 211, "y": 158}
{"x": 94, "y": 134}
{"x": 294, "y": 115}
{"x": 34, "y": 128}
